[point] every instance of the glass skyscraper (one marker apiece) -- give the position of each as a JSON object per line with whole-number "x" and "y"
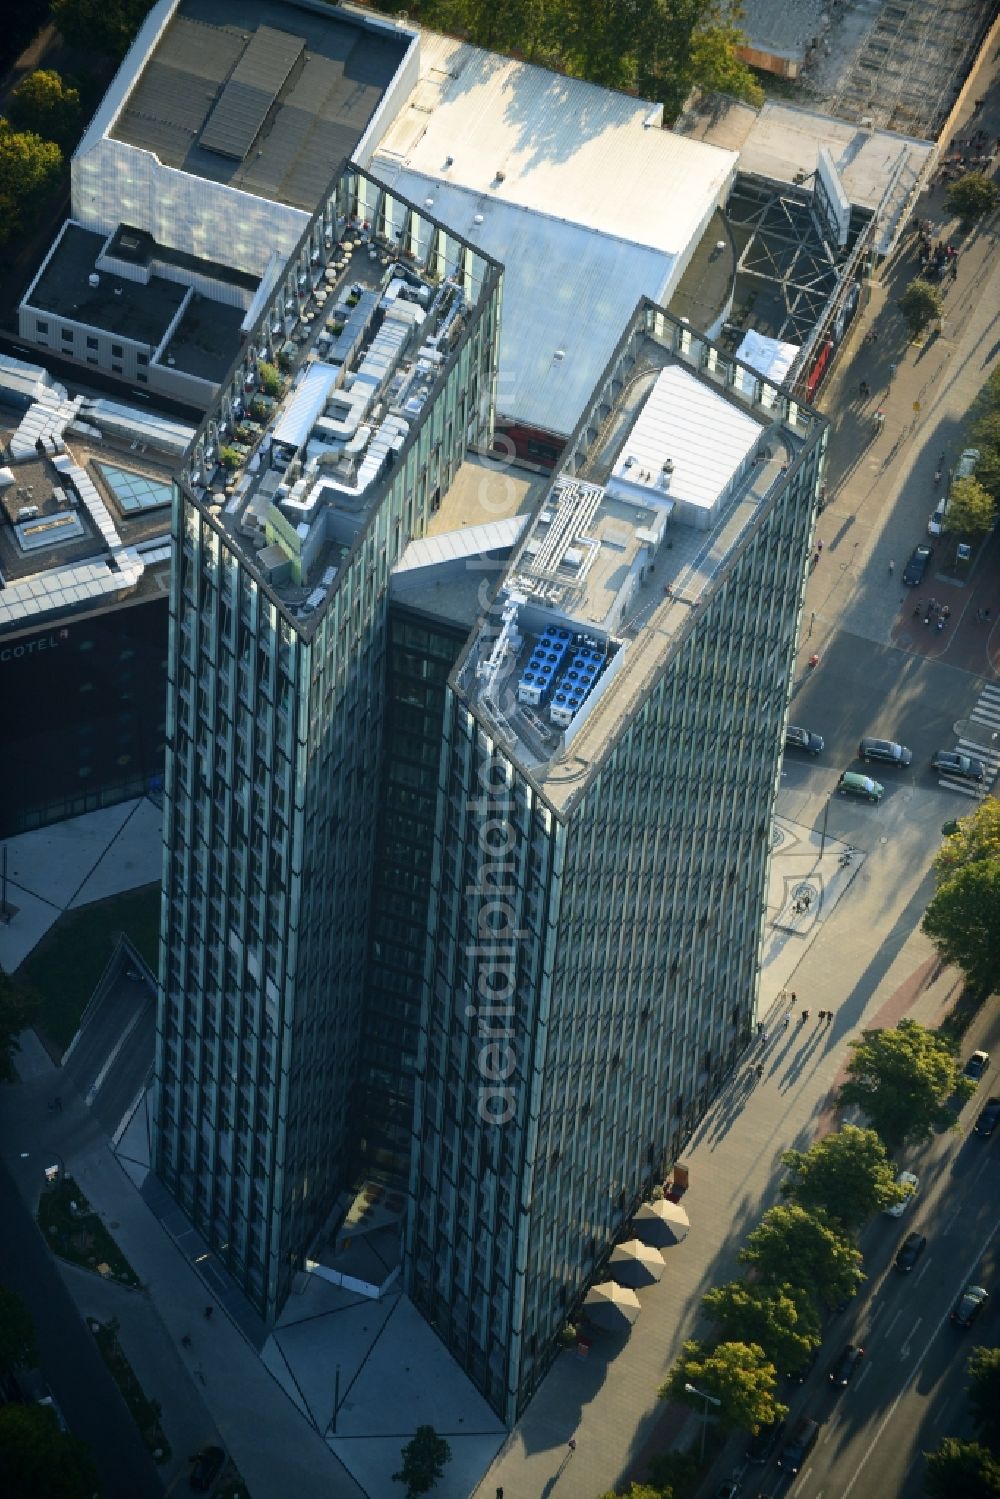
{"x": 386, "y": 327}
{"x": 612, "y": 741}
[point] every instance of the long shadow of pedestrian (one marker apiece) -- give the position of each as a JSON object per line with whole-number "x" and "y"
{"x": 802, "y": 1056}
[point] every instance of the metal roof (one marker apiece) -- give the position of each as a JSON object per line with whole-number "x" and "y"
{"x": 299, "y": 417}
{"x": 566, "y": 289}
{"x": 251, "y": 91}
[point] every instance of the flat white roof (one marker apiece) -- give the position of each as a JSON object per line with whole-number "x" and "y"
{"x": 565, "y": 288}
{"x": 586, "y": 201}
{"x": 689, "y": 425}
{"x": 564, "y": 147}
{"x": 768, "y": 356}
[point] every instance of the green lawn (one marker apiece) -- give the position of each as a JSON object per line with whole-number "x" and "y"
{"x": 65, "y": 967}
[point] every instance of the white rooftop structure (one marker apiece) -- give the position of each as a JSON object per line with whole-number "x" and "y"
{"x": 768, "y": 356}
{"x": 577, "y": 190}
{"x": 687, "y": 445}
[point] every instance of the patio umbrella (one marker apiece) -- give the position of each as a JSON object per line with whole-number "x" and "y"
{"x": 611, "y": 1306}
{"x": 661, "y": 1223}
{"x": 636, "y": 1264}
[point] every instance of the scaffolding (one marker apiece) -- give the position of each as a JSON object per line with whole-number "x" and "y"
{"x": 911, "y": 66}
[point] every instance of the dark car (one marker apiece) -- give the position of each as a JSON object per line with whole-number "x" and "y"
{"x": 799, "y": 1445}
{"x": 802, "y": 739}
{"x": 886, "y": 750}
{"x": 913, "y": 572}
{"x": 977, "y": 1064}
{"x": 969, "y": 1305}
{"x": 763, "y": 1444}
{"x": 843, "y": 1370}
{"x": 989, "y": 1118}
{"x": 207, "y": 1467}
{"x": 910, "y": 1251}
{"x": 965, "y": 767}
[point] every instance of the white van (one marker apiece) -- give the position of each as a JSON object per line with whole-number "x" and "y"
{"x": 964, "y": 469}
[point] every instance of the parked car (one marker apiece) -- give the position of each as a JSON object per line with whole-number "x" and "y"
{"x": 964, "y": 469}
{"x": 207, "y": 1466}
{"x": 969, "y": 1305}
{"x": 912, "y": 1183}
{"x": 977, "y": 1065}
{"x": 989, "y": 1118}
{"x": 763, "y": 1444}
{"x": 852, "y": 784}
{"x": 913, "y": 572}
{"x": 802, "y": 739}
{"x": 910, "y": 1251}
{"x": 799, "y": 1445}
{"x": 845, "y": 1365}
{"x": 886, "y": 750}
{"x": 965, "y": 767}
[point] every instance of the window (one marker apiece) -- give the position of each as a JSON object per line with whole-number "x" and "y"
{"x": 142, "y": 379}
{"x": 41, "y": 327}
{"x": 116, "y": 369}
{"x": 67, "y": 335}
{"x": 117, "y": 352}
{"x": 91, "y": 343}
{"x": 142, "y": 359}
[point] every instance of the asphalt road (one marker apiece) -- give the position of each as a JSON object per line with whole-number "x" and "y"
{"x": 74, "y": 1369}
{"x": 909, "y": 1390}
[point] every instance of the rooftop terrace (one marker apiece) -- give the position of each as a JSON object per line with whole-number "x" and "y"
{"x": 616, "y": 560}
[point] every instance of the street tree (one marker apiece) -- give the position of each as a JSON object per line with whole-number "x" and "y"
{"x": 638, "y": 1491}
{"x": 37, "y": 1458}
{"x": 793, "y": 1245}
{"x": 781, "y": 1319}
{"x": 424, "y": 1458}
{"x": 45, "y": 104}
{"x": 674, "y": 1473}
{"x": 975, "y": 837}
{"x": 17, "y": 1010}
{"x": 28, "y": 167}
{"x": 984, "y": 1395}
{"x": 848, "y": 1174}
{"x": 902, "y": 1080}
{"x": 920, "y": 304}
{"x": 972, "y": 197}
{"x": 961, "y": 1468}
{"x": 17, "y": 1332}
{"x": 963, "y": 921}
{"x": 100, "y": 25}
{"x": 971, "y": 508}
{"x": 740, "y": 1376}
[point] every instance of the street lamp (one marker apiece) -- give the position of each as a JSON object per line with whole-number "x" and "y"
{"x": 709, "y": 1400}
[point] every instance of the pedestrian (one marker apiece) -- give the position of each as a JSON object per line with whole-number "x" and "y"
{"x": 986, "y": 616}
{"x": 892, "y": 567}
{"x": 864, "y": 390}
{"x": 805, "y": 1016}
{"x": 760, "y": 1070}
{"x": 794, "y": 997}
{"x": 499, "y": 1493}
{"x": 819, "y": 546}
{"x": 207, "y": 1313}
{"x": 786, "y": 1022}
{"x": 829, "y": 1017}
{"x": 572, "y": 1444}
{"x": 186, "y": 1341}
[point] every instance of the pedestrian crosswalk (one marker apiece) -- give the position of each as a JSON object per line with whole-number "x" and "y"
{"x": 985, "y": 746}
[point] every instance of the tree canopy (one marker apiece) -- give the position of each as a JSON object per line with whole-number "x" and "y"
{"x": 781, "y": 1319}
{"x": 792, "y": 1245}
{"x": 740, "y": 1376}
{"x": 100, "y": 25}
{"x": 424, "y": 1457}
{"x": 44, "y": 103}
{"x": 28, "y": 165}
{"x": 902, "y": 1079}
{"x": 963, "y": 920}
{"x": 920, "y": 304}
{"x": 971, "y": 508}
{"x": 37, "y": 1458}
{"x": 975, "y": 837}
{"x": 984, "y": 1394}
{"x": 963, "y": 1468}
{"x": 17, "y": 1332}
{"x": 848, "y": 1174}
{"x": 972, "y": 196}
{"x": 660, "y": 49}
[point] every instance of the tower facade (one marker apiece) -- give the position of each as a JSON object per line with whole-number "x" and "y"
{"x": 612, "y": 742}
{"x": 386, "y": 326}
